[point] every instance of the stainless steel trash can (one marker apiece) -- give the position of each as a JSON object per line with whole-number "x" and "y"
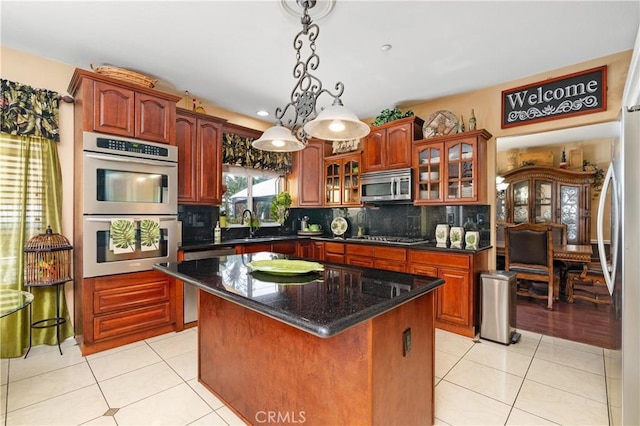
{"x": 498, "y": 307}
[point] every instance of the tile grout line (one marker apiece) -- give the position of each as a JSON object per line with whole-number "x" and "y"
{"x": 522, "y": 383}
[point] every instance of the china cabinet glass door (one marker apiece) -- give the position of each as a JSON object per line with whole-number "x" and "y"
{"x": 521, "y": 202}
{"x": 570, "y": 211}
{"x": 429, "y": 176}
{"x": 543, "y": 202}
{"x": 460, "y": 177}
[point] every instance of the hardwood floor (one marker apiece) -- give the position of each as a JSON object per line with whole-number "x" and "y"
{"x": 580, "y": 321}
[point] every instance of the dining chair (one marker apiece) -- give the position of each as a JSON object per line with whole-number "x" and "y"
{"x": 529, "y": 253}
{"x": 586, "y": 282}
{"x": 559, "y": 233}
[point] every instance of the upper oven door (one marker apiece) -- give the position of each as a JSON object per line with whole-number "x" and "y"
{"x": 117, "y": 184}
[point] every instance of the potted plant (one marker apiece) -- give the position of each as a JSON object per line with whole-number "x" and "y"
{"x": 280, "y": 206}
{"x": 389, "y": 115}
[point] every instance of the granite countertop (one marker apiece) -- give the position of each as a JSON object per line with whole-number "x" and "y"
{"x": 233, "y": 242}
{"x": 323, "y": 303}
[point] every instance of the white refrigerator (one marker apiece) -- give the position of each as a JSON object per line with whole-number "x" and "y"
{"x": 623, "y": 183}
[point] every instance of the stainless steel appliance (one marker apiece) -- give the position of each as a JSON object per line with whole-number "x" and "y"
{"x": 392, "y": 240}
{"x": 392, "y": 185}
{"x": 100, "y": 258}
{"x": 191, "y": 292}
{"x": 130, "y": 183}
{"x": 127, "y": 176}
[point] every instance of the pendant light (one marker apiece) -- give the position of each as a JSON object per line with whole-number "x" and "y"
{"x": 332, "y": 123}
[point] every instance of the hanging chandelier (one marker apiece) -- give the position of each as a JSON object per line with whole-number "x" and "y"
{"x": 332, "y": 123}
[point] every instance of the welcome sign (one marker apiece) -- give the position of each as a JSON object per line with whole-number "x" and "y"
{"x": 583, "y": 92}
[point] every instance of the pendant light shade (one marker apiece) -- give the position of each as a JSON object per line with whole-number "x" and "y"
{"x": 336, "y": 123}
{"x": 278, "y": 139}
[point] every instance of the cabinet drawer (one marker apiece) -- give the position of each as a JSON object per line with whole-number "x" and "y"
{"x": 359, "y": 250}
{"x": 133, "y": 296}
{"x": 454, "y": 260}
{"x": 284, "y": 247}
{"x": 131, "y": 321}
{"x": 391, "y": 253}
{"x": 390, "y": 265}
{"x": 335, "y": 258}
{"x": 335, "y": 248}
{"x": 419, "y": 269}
{"x": 360, "y": 261}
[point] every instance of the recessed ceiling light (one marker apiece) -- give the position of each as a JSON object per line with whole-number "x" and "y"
{"x": 262, "y": 113}
{"x": 386, "y": 47}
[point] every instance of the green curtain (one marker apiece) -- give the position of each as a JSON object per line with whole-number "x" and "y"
{"x": 30, "y": 199}
{"x": 237, "y": 151}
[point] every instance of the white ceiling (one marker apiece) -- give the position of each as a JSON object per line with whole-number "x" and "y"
{"x": 239, "y": 54}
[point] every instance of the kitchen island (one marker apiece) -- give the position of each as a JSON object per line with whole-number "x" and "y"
{"x": 347, "y": 345}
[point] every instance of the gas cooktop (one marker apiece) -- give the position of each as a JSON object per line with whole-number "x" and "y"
{"x": 390, "y": 239}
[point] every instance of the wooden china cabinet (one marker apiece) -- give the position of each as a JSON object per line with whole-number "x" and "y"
{"x": 450, "y": 169}
{"x": 539, "y": 194}
{"x": 342, "y": 180}
{"x": 388, "y": 146}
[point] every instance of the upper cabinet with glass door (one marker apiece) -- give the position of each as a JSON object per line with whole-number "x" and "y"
{"x": 447, "y": 169}
{"x": 342, "y": 180}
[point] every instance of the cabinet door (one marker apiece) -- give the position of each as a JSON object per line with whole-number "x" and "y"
{"x": 350, "y": 174}
{"x": 429, "y": 175}
{"x": 309, "y": 163}
{"x": 398, "y": 146}
{"x": 374, "y": 151}
{"x": 461, "y": 171}
{"x": 520, "y": 201}
{"x": 419, "y": 269}
{"x": 113, "y": 109}
{"x": 332, "y": 180}
{"x": 209, "y": 162}
{"x": 284, "y": 247}
{"x": 542, "y": 198}
{"x": 186, "y": 131}
{"x": 573, "y": 211}
{"x": 452, "y": 299}
{"x": 360, "y": 261}
{"x": 154, "y": 118}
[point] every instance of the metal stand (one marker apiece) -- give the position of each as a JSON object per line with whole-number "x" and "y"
{"x": 56, "y": 321}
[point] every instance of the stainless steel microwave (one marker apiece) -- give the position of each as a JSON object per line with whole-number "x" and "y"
{"x": 391, "y": 185}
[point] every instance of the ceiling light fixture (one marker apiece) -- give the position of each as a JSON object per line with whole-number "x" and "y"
{"x": 332, "y": 123}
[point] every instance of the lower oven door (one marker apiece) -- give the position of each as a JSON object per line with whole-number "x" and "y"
{"x": 123, "y": 244}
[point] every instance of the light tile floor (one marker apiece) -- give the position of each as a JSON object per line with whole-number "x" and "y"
{"x": 540, "y": 380}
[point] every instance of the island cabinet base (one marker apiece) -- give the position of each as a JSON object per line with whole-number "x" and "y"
{"x": 270, "y": 372}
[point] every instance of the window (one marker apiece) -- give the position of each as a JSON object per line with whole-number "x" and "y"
{"x": 251, "y": 189}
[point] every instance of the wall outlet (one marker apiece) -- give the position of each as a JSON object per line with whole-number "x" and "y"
{"x": 406, "y": 342}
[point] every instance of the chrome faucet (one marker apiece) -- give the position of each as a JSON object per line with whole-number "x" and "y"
{"x": 252, "y": 229}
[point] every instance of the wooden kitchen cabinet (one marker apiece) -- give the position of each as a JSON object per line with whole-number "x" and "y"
{"x": 334, "y": 252}
{"x": 540, "y": 194}
{"x": 199, "y": 141}
{"x": 389, "y": 146}
{"x": 451, "y": 169}
{"x": 306, "y": 181}
{"x": 119, "y": 108}
{"x": 310, "y": 249}
{"x": 457, "y": 301}
{"x": 342, "y": 180}
{"x": 112, "y": 311}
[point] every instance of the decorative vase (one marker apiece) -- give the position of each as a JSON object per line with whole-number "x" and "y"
{"x": 442, "y": 233}
{"x": 472, "y": 238}
{"x": 456, "y": 236}
{"x": 461, "y": 125}
{"x": 472, "y": 121}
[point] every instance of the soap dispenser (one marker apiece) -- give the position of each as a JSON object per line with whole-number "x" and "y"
{"x": 217, "y": 233}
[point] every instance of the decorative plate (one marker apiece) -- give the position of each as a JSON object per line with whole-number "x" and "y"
{"x": 440, "y": 123}
{"x": 285, "y": 266}
{"x": 299, "y": 279}
{"x": 339, "y": 226}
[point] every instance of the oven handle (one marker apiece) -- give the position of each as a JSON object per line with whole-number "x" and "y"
{"x": 131, "y": 160}
{"x": 136, "y": 219}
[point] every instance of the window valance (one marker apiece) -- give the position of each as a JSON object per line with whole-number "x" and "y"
{"x": 27, "y": 111}
{"x": 237, "y": 151}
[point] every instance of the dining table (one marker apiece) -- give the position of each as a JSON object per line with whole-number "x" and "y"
{"x": 13, "y": 300}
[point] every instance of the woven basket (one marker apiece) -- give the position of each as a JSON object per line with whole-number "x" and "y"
{"x": 125, "y": 75}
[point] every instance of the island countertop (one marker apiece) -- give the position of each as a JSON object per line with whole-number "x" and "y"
{"x": 323, "y": 303}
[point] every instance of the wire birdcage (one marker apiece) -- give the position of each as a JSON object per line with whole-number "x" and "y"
{"x": 47, "y": 259}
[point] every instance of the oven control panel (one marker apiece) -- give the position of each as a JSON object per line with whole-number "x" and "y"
{"x": 132, "y": 147}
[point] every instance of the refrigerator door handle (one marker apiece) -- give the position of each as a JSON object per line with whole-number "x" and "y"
{"x": 609, "y": 271}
